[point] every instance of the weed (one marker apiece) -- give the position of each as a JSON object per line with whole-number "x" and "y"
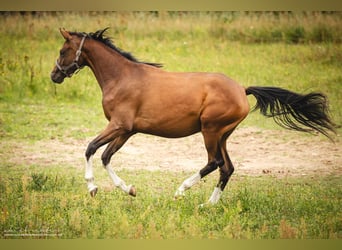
{"x": 38, "y": 181}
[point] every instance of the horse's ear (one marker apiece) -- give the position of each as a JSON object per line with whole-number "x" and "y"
{"x": 65, "y": 34}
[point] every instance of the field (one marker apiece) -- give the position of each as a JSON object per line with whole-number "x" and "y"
{"x": 286, "y": 184}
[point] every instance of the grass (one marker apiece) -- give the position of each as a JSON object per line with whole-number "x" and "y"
{"x": 32, "y": 120}
{"x": 53, "y": 201}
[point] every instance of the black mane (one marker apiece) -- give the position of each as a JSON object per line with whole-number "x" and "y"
{"x": 98, "y": 36}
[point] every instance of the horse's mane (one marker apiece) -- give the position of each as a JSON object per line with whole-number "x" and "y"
{"x": 98, "y": 36}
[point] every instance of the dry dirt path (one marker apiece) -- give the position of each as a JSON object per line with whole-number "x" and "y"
{"x": 253, "y": 152}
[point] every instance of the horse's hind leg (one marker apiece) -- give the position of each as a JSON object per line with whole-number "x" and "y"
{"x": 226, "y": 166}
{"x": 192, "y": 180}
{"x": 215, "y": 160}
{"x": 226, "y": 170}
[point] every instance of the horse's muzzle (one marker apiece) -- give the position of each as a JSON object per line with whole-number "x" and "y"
{"x": 57, "y": 77}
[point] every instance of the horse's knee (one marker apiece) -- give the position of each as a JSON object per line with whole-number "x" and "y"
{"x": 91, "y": 150}
{"x": 106, "y": 158}
{"x": 210, "y": 167}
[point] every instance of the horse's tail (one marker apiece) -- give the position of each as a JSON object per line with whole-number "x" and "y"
{"x": 294, "y": 111}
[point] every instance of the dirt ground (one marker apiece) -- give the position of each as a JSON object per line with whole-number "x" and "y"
{"x": 253, "y": 152}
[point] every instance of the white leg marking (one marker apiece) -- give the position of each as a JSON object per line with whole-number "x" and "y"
{"x": 188, "y": 183}
{"x": 118, "y": 182}
{"x": 215, "y": 196}
{"x": 89, "y": 169}
{"x": 89, "y": 176}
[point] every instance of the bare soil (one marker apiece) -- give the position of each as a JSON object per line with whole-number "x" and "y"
{"x": 253, "y": 152}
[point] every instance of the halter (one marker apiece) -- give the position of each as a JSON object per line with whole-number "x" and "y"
{"x": 64, "y": 69}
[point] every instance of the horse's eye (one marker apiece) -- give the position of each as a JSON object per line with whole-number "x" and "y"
{"x": 62, "y": 52}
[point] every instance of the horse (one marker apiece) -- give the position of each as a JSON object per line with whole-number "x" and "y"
{"x": 141, "y": 97}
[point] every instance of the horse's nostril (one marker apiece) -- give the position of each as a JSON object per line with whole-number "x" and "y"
{"x": 55, "y": 78}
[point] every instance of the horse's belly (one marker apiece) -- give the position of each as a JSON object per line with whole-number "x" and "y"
{"x": 171, "y": 128}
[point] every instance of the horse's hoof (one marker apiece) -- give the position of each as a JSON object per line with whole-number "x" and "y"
{"x": 132, "y": 191}
{"x": 178, "y": 197}
{"x": 93, "y": 192}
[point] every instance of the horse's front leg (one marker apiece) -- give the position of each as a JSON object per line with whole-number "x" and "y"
{"x": 108, "y": 135}
{"x": 112, "y": 148}
{"x": 89, "y": 176}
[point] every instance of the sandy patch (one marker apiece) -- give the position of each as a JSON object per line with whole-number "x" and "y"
{"x": 253, "y": 152}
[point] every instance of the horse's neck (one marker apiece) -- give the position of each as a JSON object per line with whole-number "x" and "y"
{"x": 106, "y": 64}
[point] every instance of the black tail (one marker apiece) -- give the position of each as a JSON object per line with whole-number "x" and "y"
{"x": 290, "y": 110}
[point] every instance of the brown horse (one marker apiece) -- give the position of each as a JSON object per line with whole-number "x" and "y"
{"x": 140, "y": 97}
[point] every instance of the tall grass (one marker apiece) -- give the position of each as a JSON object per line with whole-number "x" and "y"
{"x": 291, "y": 27}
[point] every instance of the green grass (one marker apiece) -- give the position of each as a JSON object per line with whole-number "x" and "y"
{"x": 54, "y": 200}
{"x": 32, "y": 120}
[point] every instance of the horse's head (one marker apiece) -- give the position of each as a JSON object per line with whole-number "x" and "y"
{"x": 70, "y": 57}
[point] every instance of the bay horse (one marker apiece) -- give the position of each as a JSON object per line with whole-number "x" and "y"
{"x": 140, "y": 97}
